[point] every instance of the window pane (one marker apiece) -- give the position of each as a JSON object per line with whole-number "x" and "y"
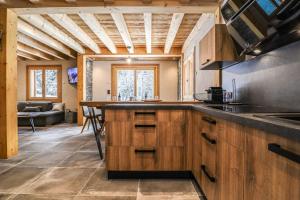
{"x": 36, "y": 83}
{"x": 51, "y": 83}
{"x": 145, "y": 84}
{"x": 125, "y": 84}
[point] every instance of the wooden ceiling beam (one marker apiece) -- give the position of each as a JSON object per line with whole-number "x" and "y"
{"x": 148, "y": 30}
{"x": 38, "y": 35}
{"x": 31, "y": 51}
{"x": 34, "y": 52}
{"x": 120, "y": 6}
{"x": 175, "y": 23}
{"x": 75, "y": 30}
{"x": 25, "y": 55}
{"x": 92, "y": 22}
{"x": 123, "y": 30}
{"x": 36, "y": 45}
{"x": 43, "y": 24}
{"x": 137, "y": 51}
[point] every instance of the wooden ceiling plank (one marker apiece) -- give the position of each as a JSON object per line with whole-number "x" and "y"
{"x": 25, "y": 55}
{"x": 123, "y": 30}
{"x": 92, "y": 22}
{"x": 175, "y": 23}
{"x": 43, "y": 24}
{"x": 34, "y": 44}
{"x": 75, "y": 30}
{"x": 148, "y": 30}
{"x": 43, "y": 38}
{"x": 31, "y": 51}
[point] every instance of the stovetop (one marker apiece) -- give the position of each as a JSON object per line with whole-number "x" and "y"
{"x": 251, "y": 109}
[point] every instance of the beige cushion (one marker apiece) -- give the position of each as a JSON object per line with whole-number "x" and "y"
{"x": 58, "y": 106}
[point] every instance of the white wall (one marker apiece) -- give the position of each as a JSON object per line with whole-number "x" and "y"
{"x": 203, "y": 78}
{"x": 69, "y": 92}
{"x": 167, "y": 71}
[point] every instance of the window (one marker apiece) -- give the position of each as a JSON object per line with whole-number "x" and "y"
{"x": 135, "y": 81}
{"x": 44, "y": 83}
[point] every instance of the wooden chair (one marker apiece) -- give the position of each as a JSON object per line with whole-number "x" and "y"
{"x": 97, "y": 130}
{"x": 86, "y": 114}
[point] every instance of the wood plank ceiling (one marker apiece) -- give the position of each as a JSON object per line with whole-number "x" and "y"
{"x": 62, "y": 36}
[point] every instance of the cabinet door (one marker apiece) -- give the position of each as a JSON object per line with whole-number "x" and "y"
{"x": 270, "y": 175}
{"x": 171, "y": 128}
{"x": 207, "y": 47}
{"x": 118, "y": 133}
{"x": 230, "y": 173}
{"x": 171, "y": 134}
{"x": 171, "y": 158}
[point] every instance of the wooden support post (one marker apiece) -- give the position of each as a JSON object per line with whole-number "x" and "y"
{"x": 81, "y": 62}
{"x": 8, "y": 84}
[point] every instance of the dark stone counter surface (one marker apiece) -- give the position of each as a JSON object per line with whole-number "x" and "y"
{"x": 279, "y": 127}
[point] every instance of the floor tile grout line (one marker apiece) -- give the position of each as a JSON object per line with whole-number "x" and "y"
{"x": 22, "y": 189}
{"x": 85, "y": 184}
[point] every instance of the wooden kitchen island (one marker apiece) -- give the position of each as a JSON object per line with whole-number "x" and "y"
{"x": 228, "y": 159}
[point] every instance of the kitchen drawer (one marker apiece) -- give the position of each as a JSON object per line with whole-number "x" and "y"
{"x": 171, "y": 134}
{"x": 211, "y": 126}
{"x": 118, "y": 133}
{"x": 269, "y": 174}
{"x": 131, "y": 158}
{"x": 145, "y": 158}
{"x": 144, "y": 134}
{"x": 144, "y": 115}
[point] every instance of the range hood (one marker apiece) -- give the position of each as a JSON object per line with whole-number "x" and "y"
{"x": 259, "y": 26}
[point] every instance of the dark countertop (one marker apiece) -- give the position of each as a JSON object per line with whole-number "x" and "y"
{"x": 282, "y": 128}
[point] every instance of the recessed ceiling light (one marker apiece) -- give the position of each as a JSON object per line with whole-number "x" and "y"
{"x": 257, "y": 51}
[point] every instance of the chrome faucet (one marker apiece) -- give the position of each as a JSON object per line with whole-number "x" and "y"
{"x": 233, "y": 91}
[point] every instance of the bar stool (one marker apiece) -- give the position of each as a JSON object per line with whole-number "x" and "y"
{"x": 86, "y": 114}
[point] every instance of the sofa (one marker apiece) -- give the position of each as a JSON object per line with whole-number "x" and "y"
{"x": 46, "y": 116}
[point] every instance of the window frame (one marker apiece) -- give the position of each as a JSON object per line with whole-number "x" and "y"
{"x": 44, "y": 68}
{"x": 116, "y": 67}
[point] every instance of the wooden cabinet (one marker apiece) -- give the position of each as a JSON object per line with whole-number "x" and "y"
{"x": 218, "y": 157}
{"x": 217, "y": 46}
{"x": 146, "y": 140}
{"x": 269, "y": 174}
{"x": 228, "y": 160}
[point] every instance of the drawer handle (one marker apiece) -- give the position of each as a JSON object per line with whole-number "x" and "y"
{"x": 145, "y": 113}
{"x": 207, "y": 61}
{"x": 144, "y": 150}
{"x": 276, "y": 148}
{"x": 211, "y": 141}
{"x": 209, "y": 120}
{"x": 145, "y": 126}
{"x": 211, "y": 178}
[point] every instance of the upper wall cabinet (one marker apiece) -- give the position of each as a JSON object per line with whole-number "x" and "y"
{"x": 217, "y": 50}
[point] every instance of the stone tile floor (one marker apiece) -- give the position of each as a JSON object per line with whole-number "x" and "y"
{"x": 59, "y": 163}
